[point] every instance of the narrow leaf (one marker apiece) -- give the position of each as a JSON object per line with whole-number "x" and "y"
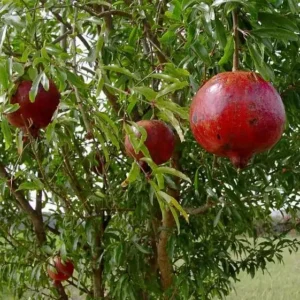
{"x": 221, "y": 33}
{"x": 35, "y": 86}
{"x": 228, "y": 52}
{"x": 217, "y": 218}
{"x": 6, "y": 133}
{"x": 172, "y": 201}
{"x": 147, "y": 92}
{"x": 172, "y": 88}
{"x": 121, "y": 70}
{"x": 172, "y": 171}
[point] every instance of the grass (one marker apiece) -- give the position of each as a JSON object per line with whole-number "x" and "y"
{"x": 282, "y": 282}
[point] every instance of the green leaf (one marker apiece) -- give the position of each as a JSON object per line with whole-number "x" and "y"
{"x": 168, "y": 37}
{"x": 75, "y": 79}
{"x": 217, "y": 218}
{"x": 169, "y": 117}
{"x": 172, "y": 88}
{"x": 221, "y": 33}
{"x": 133, "y": 36}
{"x": 121, "y": 70}
{"x": 220, "y": 2}
{"x": 142, "y": 248}
{"x": 10, "y": 108}
{"x": 45, "y": 82}
{"x": 29, "y": 185}
{"x": 228, "y": 52}
{"x": 277, "y": 33}
{"x": 109, "y": 134}
{"x": 35, "y": 86}
{"x": 172, "y": 201}
{"x": 2, "y": 36}
{"x": 4, "y": 75}
{"x": 175, "y": 216}
{"x": 171, "y": 171}
{"x": 103, "y": 145}
{"x": 147, "y": 92}
{"x": 275, "y": 20}
{"x": 212, "y": 194}
{"x": 109, "y": 121}
{"x": 265, "y": 71}
{"x": 202, "y": 52}
{"x": 100, "y": 83}
{"x": 14, "y": 20}
{"x": 6, "y": 133}
{"x": 165, "y": 77}
{"x": 182, "y": 112}
{"x": 133, "y": 174}
{"x": 137, "y": 136}
{"x": 294, "y": 7}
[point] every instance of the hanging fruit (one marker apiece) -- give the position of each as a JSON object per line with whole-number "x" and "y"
{"x": 37, "y": 114}
{"x": 236, "y": 115}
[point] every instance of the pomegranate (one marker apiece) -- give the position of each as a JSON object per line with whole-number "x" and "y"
{"x": 160, "y": 141}
{"x": 37, "y": 114}
{"x": 59, "y": 270}
{"x": 236, "y": 115}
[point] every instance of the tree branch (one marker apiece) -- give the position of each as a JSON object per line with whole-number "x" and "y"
{"x": 104, "y": 13}
{"x": 62, "y": 37}
{"x": 61, "y": 291}
{"x": 68, "y": 26}
{"x": 74, "y": 182}
{"x": 36, "y": 219}
{"x": 200, "y": 210}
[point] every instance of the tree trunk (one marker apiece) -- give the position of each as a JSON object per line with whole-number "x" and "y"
{"x": 164, "y": 261}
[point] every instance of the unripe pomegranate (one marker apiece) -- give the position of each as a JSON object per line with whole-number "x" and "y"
{"x": 237, "y": 114}
{"x": 59, "y": 270}
{"x": 160, "y": 141}
{"x": 37, "y": 114}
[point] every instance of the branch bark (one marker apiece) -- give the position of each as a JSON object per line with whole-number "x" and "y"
{"x": 61, "y": 291}
{"x": 36, "y": 218}
{"x": 200, "y": 210}
{"x": 163, "y": 259}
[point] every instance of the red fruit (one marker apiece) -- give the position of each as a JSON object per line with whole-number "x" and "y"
{"x": 37, "y": 114}
{"x": 59, "y": 270}
{"x": 160, "y": 141}
{"x": 237, "y": 114}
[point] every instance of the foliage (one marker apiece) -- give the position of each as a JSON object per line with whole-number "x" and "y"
{"x": 170, "y": 234}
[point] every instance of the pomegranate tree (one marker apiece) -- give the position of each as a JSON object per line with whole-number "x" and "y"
{"x": 237, "y": 114}
{"x": 160, "y": 141}
{"x": 59, "y": 270}
{"x": 37, "y": 114}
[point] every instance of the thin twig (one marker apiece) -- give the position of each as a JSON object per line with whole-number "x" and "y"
{"x": 62, "y": 37}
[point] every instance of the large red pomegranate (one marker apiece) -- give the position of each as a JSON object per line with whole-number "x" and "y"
{"x": 37, "y": 114}
{"x": 160, "y": 141}
{"x": 237, "y": 114}
{"x": 59, "y": 270}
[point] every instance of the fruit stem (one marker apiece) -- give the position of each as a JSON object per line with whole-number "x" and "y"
{"x": 236, "y": 41}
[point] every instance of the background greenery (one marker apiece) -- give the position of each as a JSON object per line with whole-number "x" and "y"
{"x": 170, "y": 235}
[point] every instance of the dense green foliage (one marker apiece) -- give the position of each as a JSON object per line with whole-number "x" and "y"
{"x": 116, "y": 62}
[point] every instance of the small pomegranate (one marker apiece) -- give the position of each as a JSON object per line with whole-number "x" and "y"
{"x": 37, "y": 114}
{"x": 160, "y": 141}
{"x": 59, "y": 270}
{"x": 236, "y": 115}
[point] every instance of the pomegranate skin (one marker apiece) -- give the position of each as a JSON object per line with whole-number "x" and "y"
{"x": 236, "y": 115}
{"x": 38, "y": 113}
{"x": 160, "y": 141}
{"x": 63, "y": 270}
